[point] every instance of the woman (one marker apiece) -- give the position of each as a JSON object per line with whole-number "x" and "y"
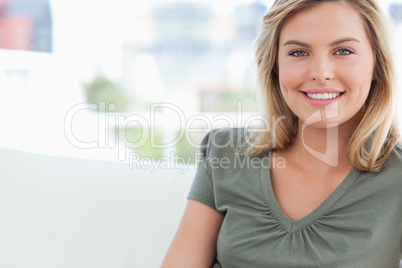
{"x": 334, "y": 200}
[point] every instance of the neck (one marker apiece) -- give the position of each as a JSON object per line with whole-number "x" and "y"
{"x": 325, "y": 147}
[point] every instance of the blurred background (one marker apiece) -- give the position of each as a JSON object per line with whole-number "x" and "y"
{"x": 100, "y": 79}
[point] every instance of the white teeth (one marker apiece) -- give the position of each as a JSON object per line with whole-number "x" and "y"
{"x": 323, "y": 96}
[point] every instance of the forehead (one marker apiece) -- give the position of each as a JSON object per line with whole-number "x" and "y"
{"x": 335, "y": 19}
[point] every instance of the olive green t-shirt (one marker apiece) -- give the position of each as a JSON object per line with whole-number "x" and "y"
{"x": 358, "y": 225}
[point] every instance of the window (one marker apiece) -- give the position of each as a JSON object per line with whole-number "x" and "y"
{"x": 90, "y": 75}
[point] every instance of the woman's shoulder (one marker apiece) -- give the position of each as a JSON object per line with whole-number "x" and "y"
{"x": 397, "y": 154}
{"x": 398, "y": 149}
{"x": 224, "y": 136}
{"x": 394, "y": 162}
{"x": 225, "y": 141}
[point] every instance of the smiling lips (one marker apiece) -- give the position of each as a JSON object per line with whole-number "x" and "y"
{"x": 321, "y": 97}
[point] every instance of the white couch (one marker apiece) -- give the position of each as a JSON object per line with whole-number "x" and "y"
{"x": 68, "y": 212}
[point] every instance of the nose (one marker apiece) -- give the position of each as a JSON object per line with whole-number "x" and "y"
{"x": 321, "y": 69}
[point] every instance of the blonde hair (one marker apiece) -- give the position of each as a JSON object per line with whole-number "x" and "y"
{"x": 377, "y": 127}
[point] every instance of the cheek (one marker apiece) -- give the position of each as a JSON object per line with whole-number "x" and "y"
{"x": 361, "y": 70}
{"x": 358, "y": 78}
{"x": 291, "y": 76}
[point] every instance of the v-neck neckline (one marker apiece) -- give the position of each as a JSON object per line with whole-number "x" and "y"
{"x": 293, "y": 226}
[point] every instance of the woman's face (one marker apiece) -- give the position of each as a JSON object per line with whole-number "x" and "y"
{"x": 325, "y": 63}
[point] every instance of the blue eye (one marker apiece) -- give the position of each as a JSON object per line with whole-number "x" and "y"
{"x": 343, "y": 51}
{"x": 298, "y": 53}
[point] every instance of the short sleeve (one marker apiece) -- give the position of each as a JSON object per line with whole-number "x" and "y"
{"x": 202, "y": 189}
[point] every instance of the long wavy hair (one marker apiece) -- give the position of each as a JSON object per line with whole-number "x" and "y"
{"x": 377, "y": 127}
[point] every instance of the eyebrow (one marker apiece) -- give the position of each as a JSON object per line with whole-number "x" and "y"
{"x": 347, "y": 39}
{"x": 337, "y": 42}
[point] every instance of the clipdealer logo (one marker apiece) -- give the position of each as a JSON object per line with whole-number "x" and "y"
{"x": 183, "y": 128}
{"x": 173, "y": 121}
